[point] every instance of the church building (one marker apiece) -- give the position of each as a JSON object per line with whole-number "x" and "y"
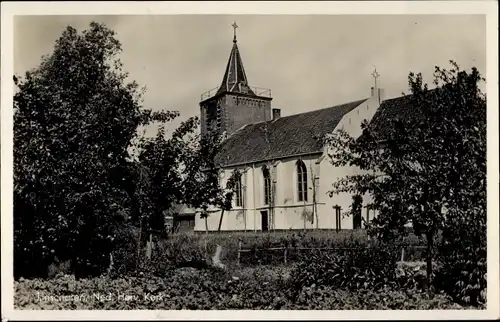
{"x": 285, "y": 173}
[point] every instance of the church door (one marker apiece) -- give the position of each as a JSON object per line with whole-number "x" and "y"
{"x": 264, "y": 220}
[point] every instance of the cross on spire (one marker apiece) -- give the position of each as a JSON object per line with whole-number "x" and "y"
{"x": 375, "y": 75}
{"x": 234, "y": 25}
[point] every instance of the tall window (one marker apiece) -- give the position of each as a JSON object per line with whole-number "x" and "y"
{"x": 238, "y": 195}
{"x": 338, "y": 217}
{"x": 267, "y": 185}
{"x": 301, "y": 181}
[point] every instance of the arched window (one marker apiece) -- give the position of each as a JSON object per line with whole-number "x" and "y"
{"x": 301, "y": 181}
{"x": 238, "y": 195}
{"x": 267, "y": 185}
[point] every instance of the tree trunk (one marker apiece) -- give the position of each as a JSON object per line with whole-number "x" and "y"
{"x": 206, "y": 225}
{"x": 316, "y": 214}
{"x": 220, "y": 221}
{"x": 430, "y": 249}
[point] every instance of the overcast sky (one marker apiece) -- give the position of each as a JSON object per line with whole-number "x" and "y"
{"x": 309, "y": 62}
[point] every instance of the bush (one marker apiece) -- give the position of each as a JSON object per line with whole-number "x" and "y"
{"x": 167, "y": 254}
{"x": 330, "y": 298}
{"x": 359, "y": 267}
{"x": 462, "y": 255}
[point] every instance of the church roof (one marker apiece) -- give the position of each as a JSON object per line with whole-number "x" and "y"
{"x": 401, "y": 107}
{"x": 391, "y": 109}
{"x": 235, "y": 79}
{"x": 286, "y": 136}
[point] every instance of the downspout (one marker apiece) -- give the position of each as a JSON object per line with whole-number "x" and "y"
{"x": 315, "y": 196}
{"x": 273, "y": 192}
{"x": 254, "y": 205}
{"x": 244, "y": 198}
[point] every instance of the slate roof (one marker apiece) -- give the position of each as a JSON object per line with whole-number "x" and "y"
{"x": 391, "y": 109}
{"x": 285, "y": 136}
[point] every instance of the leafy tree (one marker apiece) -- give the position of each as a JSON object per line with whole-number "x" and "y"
{"x": 74, "y": 118}
{"x": 202, "y": 188}
{"x": 160, "y": 165}
{"x": 427, "y": 167}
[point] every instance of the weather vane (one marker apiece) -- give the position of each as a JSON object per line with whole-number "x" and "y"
{"x": 375, "y": 75}
{"x": 234, "y": 25}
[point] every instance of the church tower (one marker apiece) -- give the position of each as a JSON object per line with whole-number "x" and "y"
{"x": 234, "y": 103}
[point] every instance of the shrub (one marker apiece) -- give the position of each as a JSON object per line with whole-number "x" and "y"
{"x": 372, "y": 267}
{"x": 180, "y": 251}
{"x": 330, "y": 298}
{"x": 462, "y": 255}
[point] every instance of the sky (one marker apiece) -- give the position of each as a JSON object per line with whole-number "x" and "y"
{"x": 308, "y": 62}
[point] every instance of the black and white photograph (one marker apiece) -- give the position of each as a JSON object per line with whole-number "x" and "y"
{"x": 245, "y": 161}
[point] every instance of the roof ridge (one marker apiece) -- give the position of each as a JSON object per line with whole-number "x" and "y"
{"x": 296, "y": 134}
{"x": 237, "y": 130}
{"x": 297, "y": 114}
{"x": 404, "y": 95}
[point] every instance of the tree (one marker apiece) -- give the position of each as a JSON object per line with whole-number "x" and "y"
{"x": 74, "y": 119}
{"x": 202, "y": 188}
{"x": 160, "y": 161}
{"x": 225, "y": 198}
{"x": 428, "y": 167}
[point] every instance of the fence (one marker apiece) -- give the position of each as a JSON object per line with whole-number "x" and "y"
{"x": 289, "y": 254}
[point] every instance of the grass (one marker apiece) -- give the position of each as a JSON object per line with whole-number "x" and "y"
{"x": 256, "y": 244}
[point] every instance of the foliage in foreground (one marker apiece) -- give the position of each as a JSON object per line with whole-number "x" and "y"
{"x": 372, "y": 267}
{"x": 208, "y": 289}
{"x": 82, "y": 173}
{"x": 74, "y": 118}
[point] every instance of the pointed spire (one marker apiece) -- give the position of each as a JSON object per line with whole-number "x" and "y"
{"x": 235, "y": 78}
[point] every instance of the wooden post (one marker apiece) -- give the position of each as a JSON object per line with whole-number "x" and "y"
{"x": 402, "y": 254}
{"x": 149, "y": 247}
{"x": 239, "y": 252}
